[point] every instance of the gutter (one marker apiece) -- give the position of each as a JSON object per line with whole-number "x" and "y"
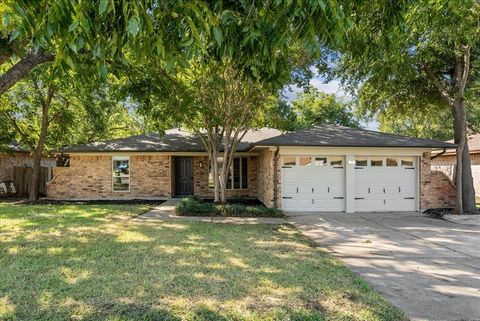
{"x": 275, "y": 178}
{"x": 439, "y": 154}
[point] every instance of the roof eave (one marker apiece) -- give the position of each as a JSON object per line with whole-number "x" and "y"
{"x": 357, "y": 146}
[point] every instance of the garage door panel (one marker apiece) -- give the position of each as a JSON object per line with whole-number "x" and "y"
{"x": 317, "y": 186}
{"x": 289, "y": 174}
{"x": 304, "y": 177}
{"x": 337, "y": 190}
{"x": 392, "y": 190}
{"x": 364, "y": 205}
{"x": 385, "y": 188}
{"x": 361, "y": 190}
{"x": 306, "y": 189}
{"x": 320, "y": 189}
{"x": 407, "y": 189}
{"x": 376, "y": 190}
{"x": 289, "y": 190}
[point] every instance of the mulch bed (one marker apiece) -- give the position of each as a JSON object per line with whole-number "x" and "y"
{"x": 439, "y": 212}
{"x": 240, "y": 201}
{"x": 22, "y": 200}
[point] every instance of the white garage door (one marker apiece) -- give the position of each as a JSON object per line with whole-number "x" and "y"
{"x": 313, "y": 183}
{"x": 385, "y": 184}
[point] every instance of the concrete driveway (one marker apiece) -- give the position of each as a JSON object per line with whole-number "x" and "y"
{"x": 428, "y": 267}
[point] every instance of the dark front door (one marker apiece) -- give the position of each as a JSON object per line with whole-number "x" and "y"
{"x": 183, "y": 175}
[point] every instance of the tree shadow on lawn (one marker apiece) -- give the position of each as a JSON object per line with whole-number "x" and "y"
{"x": 94, "y": 268}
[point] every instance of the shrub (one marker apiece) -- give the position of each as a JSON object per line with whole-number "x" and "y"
{"x": 192, "y": 206}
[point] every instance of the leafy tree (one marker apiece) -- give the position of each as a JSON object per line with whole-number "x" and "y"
{"x": 423, "y": 123}
{"x": 417, "y": 123}
{"x": 47, "y": 110}
{"x": 280, "y": 115}
{"x": 227, "y": 103}
{"x": 257, "y": 36}
{"x": 410, "y": 54}
{"x": 214, "y": 99}
{"x": 311, "y": 108}
{"x": 315, "y": 108}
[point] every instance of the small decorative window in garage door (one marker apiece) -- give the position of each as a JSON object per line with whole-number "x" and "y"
{"x": 313, "y": 183}
{"x": 385, "y": 184}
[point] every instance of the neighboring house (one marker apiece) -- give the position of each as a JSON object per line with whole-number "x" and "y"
{"x": 16, "y": 166}
{"x": 446, "y": 161}
{"x": 324, "y": 168}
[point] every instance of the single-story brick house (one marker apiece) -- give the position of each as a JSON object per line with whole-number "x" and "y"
{"x": 16, "y": 164}
{"x": 324, "y": 168}
{"x": 445, "y": 161}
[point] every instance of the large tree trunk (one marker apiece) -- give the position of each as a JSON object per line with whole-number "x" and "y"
{"x": 469, "y": 201}
{"x": 216, "y": 181}
{"x": 465, "y": 201}
{"x": 459, "y": 132}
{"x": 37, "y": 155}
{"x": 21, "y": 69}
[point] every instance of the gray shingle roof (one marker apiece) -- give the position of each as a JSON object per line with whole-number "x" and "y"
{"x": 339, "y": 136}
{"x": 14, "y": 147}
{"x": 174, "y": 140}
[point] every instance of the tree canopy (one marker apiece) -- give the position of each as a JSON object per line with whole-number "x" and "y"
{"x": 258, "y": 36}
{"x": 311, "y": 108}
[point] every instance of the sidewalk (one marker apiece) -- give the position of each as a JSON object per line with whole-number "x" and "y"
{"x": 166, "y": 213}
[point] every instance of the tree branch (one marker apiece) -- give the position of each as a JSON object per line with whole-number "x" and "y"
{"x": 38, "y": 91}
{"x": 14, "y": 123}
{"x": 10, "y": 48}
{"x": 466, "y": 69}
{"x": 444, "y": 93}
{"x": 22, "y": 68}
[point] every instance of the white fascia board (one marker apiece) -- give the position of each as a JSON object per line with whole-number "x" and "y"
{"x": 132, "y": 153}
{"x": 363, "y": 151}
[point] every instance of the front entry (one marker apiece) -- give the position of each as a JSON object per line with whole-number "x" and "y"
{"x": 183, "y": 175}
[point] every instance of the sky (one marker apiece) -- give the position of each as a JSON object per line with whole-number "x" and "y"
{"x": 331, "y": 87}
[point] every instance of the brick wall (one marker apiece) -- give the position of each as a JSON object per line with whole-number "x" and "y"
{"x": 436, "y": 189}
{"x": 200, "y": 179}
{"x": 150, "y": 176}
{"x": 90, "y": 177}
{"x": 266, "y": 179}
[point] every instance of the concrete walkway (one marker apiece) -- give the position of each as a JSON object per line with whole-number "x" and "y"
{"x": 430, "y": 268}
{"x": 473, "y": 220}
{"x": 166, "y": 213}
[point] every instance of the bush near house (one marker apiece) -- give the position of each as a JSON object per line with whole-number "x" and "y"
{"x": 192, "y": 206}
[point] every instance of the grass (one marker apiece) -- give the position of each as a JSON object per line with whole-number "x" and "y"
{"x": 192, "y": 206}
{"x": 91, "y": 262}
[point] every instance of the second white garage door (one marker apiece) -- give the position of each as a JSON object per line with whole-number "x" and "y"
{"x": 313, "y": 183}
{"x": 385, "y": 184}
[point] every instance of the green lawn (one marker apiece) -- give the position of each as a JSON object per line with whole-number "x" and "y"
{"x": 84, "y": 262}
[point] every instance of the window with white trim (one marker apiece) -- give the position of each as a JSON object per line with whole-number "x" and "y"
{"x": 407, "y": 161}
{"x": 289, "y": 161}
{"x": 238, "y": 173}
{"x": 320, "y": 161}
{"x": 121, "y": 174}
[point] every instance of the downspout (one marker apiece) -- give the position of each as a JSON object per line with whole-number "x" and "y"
{"x": 275, "y": 178}
{"x": 439, "y": 154}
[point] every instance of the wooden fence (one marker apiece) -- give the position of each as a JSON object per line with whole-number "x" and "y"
{"x": 22, "y": 176}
